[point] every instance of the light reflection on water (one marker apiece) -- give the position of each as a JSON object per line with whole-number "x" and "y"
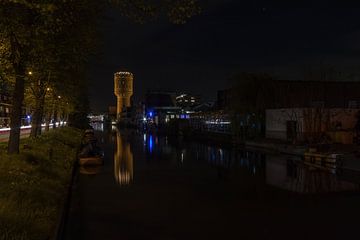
{"x": 295, "y": 176}
{"x": 280, "y": 171}
{"x": 123, "y": 161}
{"x": 151, "y": 144}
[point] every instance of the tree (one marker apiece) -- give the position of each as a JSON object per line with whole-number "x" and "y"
{"x": 15, "y": 21}
{"x": 177, "y": 11}
{"x": 29, "y": 30}
{"x": 250, "y": 95}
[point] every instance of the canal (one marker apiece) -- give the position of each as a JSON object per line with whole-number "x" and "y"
{"x": 153, "y": 187}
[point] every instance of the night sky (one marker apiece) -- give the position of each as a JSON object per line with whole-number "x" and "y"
{"x": 228, "y": 37}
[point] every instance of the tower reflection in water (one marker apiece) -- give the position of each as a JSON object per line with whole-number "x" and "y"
{"x": 123, "y": 161}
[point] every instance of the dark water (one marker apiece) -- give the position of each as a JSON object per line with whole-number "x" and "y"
{"x": 155, "y": 187}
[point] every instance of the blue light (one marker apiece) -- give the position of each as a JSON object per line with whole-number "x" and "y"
{"x": 28, "y": 117}
{"x": 151, "y": 144}
{"x": 150, "y": 114}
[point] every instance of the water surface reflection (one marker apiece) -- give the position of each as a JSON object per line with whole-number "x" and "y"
{"x": 123, "y": 161}
{"x": 280, "y": 171}
{"x": 178, "y": 189}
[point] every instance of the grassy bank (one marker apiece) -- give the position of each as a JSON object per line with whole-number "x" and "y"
{"x": 33, "y": 184}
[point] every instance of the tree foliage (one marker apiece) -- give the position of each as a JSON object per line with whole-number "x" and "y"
{"x": 176, "y": 11}
{"x": 52, "y": 40}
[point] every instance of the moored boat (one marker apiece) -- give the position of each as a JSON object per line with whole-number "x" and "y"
{"x": 95, "y": 160}
{"x": 90, "y": 154}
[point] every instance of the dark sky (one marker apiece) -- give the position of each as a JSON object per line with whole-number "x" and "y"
{"x": 229, "y": 36}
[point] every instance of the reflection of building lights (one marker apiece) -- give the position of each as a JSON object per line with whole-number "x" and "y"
{"x": 123, "y": 161}
{"x": 151, "y": 144}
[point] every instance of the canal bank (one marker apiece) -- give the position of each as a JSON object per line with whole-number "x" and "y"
{"x": 159, "y": 187}
{"x": 33, "y": 184}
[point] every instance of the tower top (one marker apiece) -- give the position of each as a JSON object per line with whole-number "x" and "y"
{"x": 124, "y": 73}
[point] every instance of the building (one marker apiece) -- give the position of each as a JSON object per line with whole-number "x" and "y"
{"x": 123, "y": 89}
{"x": 326, "y": 94}
{"x": 160, "y": 108}
{"x": 187, "y": 101}
{"x": 5, "y": 107}
{"x": 312, "y": 124}
{"x": 289, "y": 94}
{"x": 314, "y": 111}
{"x": 224, "y": 98}
{"x": 5, "y": 111}
{"x": 282, "y": 109}
{"x": 203, "y": 107}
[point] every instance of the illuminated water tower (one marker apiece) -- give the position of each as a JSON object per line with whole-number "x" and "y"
{"x": 123, "y": 89}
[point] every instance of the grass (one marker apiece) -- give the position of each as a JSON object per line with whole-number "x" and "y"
{"x": 33, "y": 184}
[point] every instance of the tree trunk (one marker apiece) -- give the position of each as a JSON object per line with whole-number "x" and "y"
{"x": 47, "y": 122}
{"x": 16, "y": 112}
{"x": 38, "y": 116}
{"x": 55, "y": 117}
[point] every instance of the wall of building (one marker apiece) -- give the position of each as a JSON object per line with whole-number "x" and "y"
{"x": 338, "y": 120}
{"x": 5, "y": 108}
{"x": 276, "y": 120}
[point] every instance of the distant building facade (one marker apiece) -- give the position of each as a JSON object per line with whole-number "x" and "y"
{"x": 312, "y": 124}
{"x": 290, "y": 94}
{"x": 187, "y": 101}
{"x": 160, "y": 107}
{"x": 314, "y": 111}
{"x": 5, "y": 108}
{"x": 282, "y": 109}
